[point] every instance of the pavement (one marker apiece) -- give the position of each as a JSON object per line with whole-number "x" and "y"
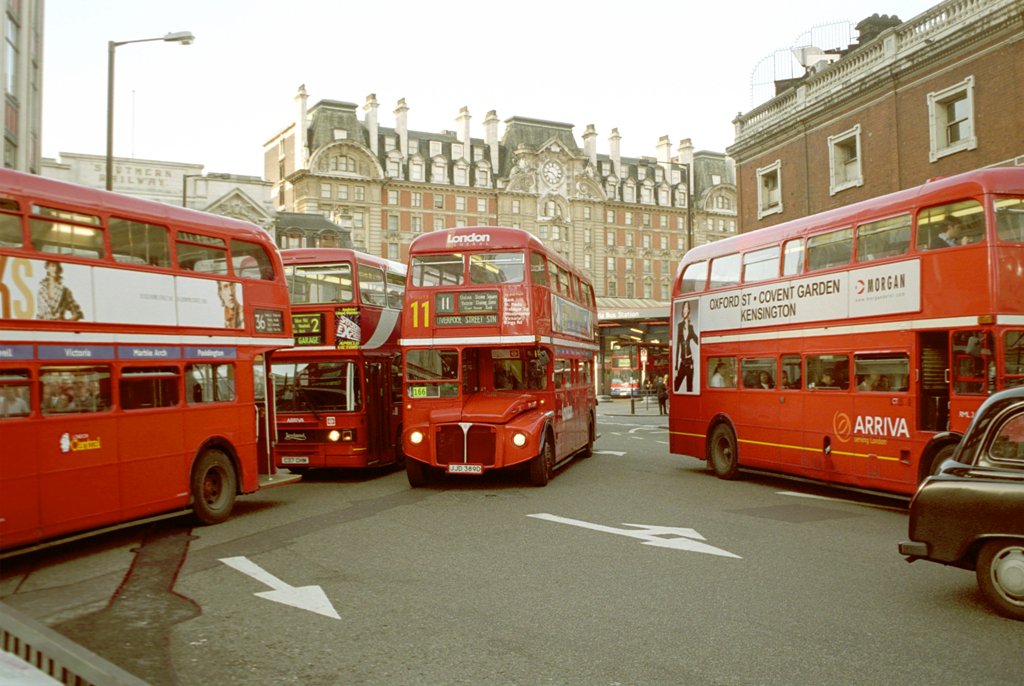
{"x": 646, "y": 406}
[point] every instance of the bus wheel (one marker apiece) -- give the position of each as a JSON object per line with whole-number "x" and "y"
{"x": 214, "y": 485}
{"x": 417, "y": 473}
{"x": 542, "y": 465}
{"x": 724, "y": 458}
{"x": 1000, "y": 572}
{"x": 591, "y": 434}
{"x": 938, "y": 457}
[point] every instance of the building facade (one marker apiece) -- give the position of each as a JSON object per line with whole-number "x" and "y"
{"x": 936, "y": 95}
{"x": 22, "y": 64}
{"x": 625, "y": 220}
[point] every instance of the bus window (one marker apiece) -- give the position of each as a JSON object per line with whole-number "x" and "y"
{"x": 371, "y": 286}
{"x": 760, "y": 265}
{"x": 148, "y": 387}
{"x": 973, "y": 363}
{"x": 250, "y": 261}
{"x": 14, "y": 393}
{"x": 1009, "y": 219}
{"x": 437, "y": 270}
{"x": 52, "y": 231}
{"x": 207, "y": 383}
{"x": 508, "y": 372}
{"x": 396, "y": 290}
{"x": 695, "y": 278}
{"x": 946, "y": 226}
{"x": 538, "y": 370}
{"x": 725, "y": 271}
{"x": 133, "y": 242}
{"x": 563, "y": 373}
{"x": 793, "y": 257}
{"x": 432, "y": 373}
{"x": 789, "y": 376}
{"x": 829, "y": 372}
{"x": 1013, "y": 357}
{"x": 884, "y": 372}
{"x": 489, "y": 268}
{"x": 10, "y": 225}
{"x": 832, "y": 249}
{"x": 200, "y": 253}
{"x": 885, "y": 238}
{"x": 320, "y": 283}
{"x": 75, "y": 389}
{"x": 538, "y": 270}
{"x": 722, "y": 372}
{"x": 757, "y": 372}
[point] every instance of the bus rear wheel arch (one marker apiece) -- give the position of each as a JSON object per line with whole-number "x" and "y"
{"x": 214, "y": 485}
{"x": 723, "y": 454}
{"x": 934, "y": 456}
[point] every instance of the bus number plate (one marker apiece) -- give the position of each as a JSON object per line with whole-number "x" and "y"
{"x": 300, "y": 459}
{"x": 465, "y": 469}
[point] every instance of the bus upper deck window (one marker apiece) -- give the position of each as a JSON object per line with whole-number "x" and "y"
{"x": 695, "y": 277}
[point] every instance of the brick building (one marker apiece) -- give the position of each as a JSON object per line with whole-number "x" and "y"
{"x": 936, "y": 95}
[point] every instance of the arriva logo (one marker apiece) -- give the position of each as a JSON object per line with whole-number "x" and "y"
{"x": 881, "y": 427}
{"x": 468, "y": 239}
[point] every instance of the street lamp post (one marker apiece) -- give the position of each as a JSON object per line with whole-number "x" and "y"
{"x": 183, "y": 37}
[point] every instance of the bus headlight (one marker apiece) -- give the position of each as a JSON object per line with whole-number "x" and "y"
{"x": 518, "y": 439}
{"x": 333, "y": 436}
{"x": 416, "y": 437}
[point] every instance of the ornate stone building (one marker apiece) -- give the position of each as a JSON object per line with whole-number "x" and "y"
{"x": 936, "y": 95}
{"x": 627, "y": 221}
{"x": 22, "y": 64}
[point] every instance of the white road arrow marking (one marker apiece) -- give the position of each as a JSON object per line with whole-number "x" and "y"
{"x": 660, "y": 536}
{"x": 609, "y": 452}
{"x": 310, "y": 598}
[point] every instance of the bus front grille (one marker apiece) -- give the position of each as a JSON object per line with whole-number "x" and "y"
{"x": 476, "y": 448}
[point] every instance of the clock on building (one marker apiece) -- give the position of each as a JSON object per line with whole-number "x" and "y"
{"x": 552, "y": 173}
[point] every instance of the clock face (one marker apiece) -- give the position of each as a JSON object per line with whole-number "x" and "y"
{"x": 552, "y": 173}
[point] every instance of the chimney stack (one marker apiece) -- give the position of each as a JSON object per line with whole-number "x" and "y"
{"x": 613, "y": 152}
{"x": 371, "y": 120}
{"x": 664, "y": 152}
{"x": 462, "y": 134}
{"x": 491, "y": 138}
{"x": 402, "y": 127}
{"x": 590, "y": 145}
{"x": 301, "y": 98}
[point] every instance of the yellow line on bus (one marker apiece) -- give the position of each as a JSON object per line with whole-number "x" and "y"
{"x": 802, "y": 448}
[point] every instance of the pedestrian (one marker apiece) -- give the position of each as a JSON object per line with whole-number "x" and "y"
{"x": 661, "y": 387}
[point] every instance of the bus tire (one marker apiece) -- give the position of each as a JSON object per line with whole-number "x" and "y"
{"x": 542, "y": 465}
{"x": 938, "y": 456}
{"x": 588, "y": 450}
{"x": 214, "y": 486}
{"x": 1000, "y": 571}
{"x": 417, "y": 473}
{"x": 723, "y": 457}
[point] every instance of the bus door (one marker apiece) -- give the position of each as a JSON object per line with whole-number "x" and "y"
{"x": 378, "y": 413}
{"x": 933, "y": 381}
{"x": 564, "y": 411}
{"x": 264, "y": 430}
{"x": 973, "y": 372}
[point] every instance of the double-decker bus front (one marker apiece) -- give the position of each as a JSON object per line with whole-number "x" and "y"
{"x": 490, "y": 380}
{"x": 338, "y": 391}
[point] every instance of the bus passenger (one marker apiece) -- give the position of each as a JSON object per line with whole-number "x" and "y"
{"x": 718, "y": 377}
{"x": 869, "y": 383}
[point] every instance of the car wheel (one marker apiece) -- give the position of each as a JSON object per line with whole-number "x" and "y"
{"x": 1000, "y": 572}
{"x": 542, "y": 465}
{"x": 214, "y": 485}
{"x": 724, "y": 458}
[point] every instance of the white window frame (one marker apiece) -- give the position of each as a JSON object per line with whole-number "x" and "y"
{"x": 765, "y": 206}
{"x": 844, "y": 171}
{"x": 938, "y": 123}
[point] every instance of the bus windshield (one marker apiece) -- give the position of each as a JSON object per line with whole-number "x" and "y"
{"x": 316, "y": 386}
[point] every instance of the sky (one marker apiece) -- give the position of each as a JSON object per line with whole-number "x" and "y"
{"x": 650, "y": 68}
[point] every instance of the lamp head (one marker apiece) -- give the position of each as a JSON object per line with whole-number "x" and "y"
{"x": 183, "y": 37}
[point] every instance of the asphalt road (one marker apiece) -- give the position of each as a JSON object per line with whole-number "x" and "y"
{"x": 630, "y": 567}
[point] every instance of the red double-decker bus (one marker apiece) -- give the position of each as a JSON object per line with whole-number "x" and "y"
{"x": 132, "y": 344}
{"x": 855, "y": 345}
{"x": 338, "y": 392}
{"x": 498, "y": 345}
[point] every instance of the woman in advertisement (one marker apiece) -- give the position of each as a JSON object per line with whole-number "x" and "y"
{"x": 55, "y": 300}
